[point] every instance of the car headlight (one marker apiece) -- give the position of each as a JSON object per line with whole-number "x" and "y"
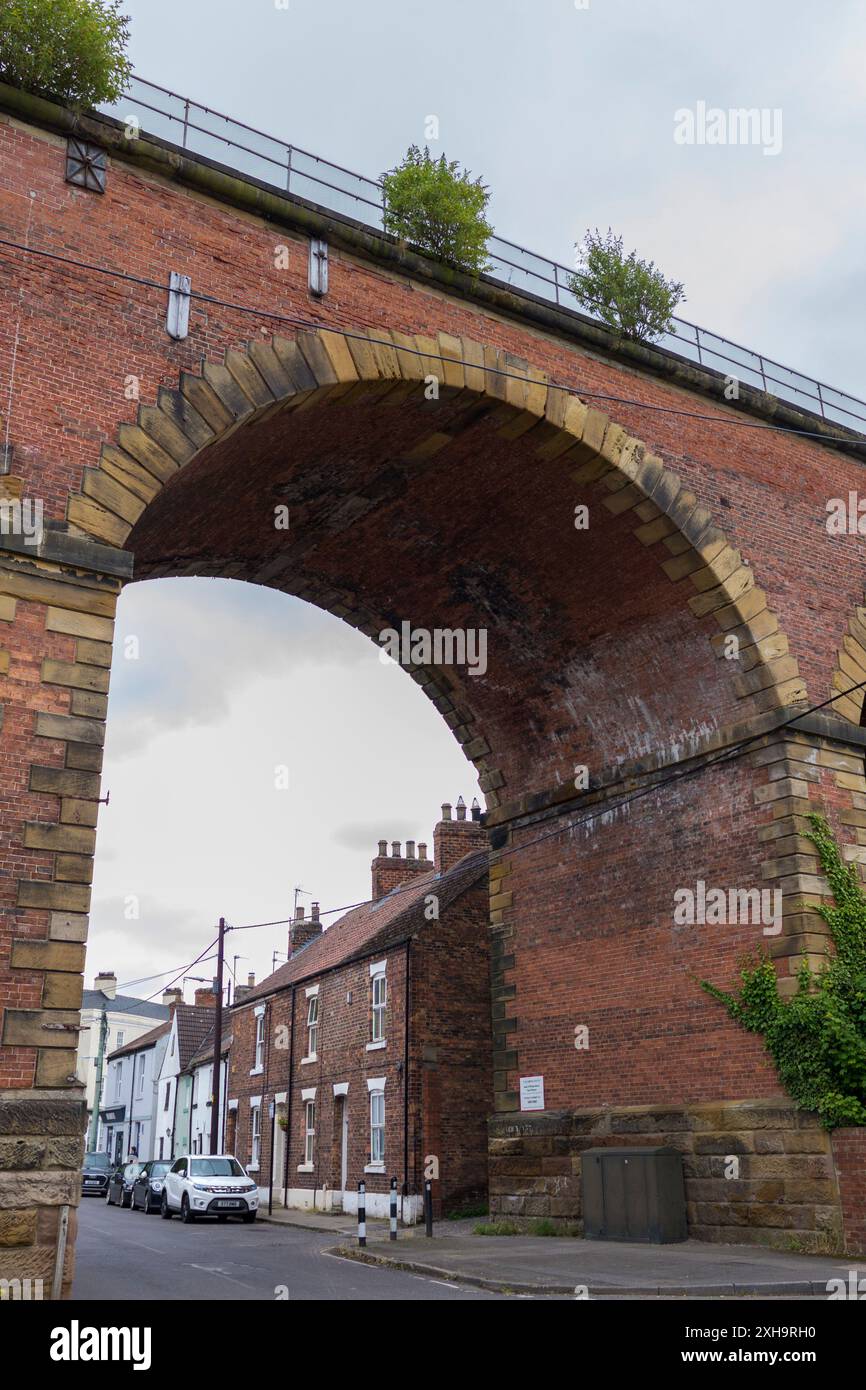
{"x": 200, "y": 1187}
{"x": 156, "y": 1187}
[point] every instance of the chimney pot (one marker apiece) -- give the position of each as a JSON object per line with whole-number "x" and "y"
{"x": 410, "y": 849}
{"x": 315, "y": 912}
{"x": 299, "y": 916}
{"x": 461, "y": 808}
{"x": 422, "y": 850}
{"x": 395, "y": 849}
{"x": 446, "y": 810}
{"x": 383, "y": 849}
{"x": 476, "y": 809}
{"x": 251, "y": 979}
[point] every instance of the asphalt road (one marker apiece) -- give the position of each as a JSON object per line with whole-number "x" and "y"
{"x": 126, "y": 1255}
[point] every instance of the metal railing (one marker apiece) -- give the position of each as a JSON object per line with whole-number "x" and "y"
{"x": 288, "y": 169}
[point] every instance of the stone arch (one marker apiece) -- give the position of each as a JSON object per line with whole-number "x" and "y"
{"x": 322, "y": 365}
{"x": 850, "y": 670}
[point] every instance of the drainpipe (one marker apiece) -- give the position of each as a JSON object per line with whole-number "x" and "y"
{"x": 406, "y": 1009}
{"x": 289, "y": 1098}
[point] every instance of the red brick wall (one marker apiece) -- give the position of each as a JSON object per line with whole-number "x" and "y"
{"x": 594, "y": 656}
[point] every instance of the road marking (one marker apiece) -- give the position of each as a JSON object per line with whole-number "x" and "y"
{"x": 209, "y": 1269}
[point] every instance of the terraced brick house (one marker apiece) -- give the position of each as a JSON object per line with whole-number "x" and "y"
{"x": 368, "y": 1055}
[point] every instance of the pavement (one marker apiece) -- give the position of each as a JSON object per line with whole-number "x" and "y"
{"x": 568, "y": 1266}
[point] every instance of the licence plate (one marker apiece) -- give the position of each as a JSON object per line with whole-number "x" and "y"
{"x": 226, "y": 1203}
{"x": 91, "y": 1182}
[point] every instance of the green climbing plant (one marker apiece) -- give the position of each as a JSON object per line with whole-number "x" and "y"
{"x": 817, "y": 1037}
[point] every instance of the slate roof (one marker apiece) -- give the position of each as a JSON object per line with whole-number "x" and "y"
{"x": 146, "y": 1040}
{"x": 194, "y": 1022}
{"x": 204, "y": 1051}
{"x": 123, "y": 1004}
{"x": 374, "y": 926}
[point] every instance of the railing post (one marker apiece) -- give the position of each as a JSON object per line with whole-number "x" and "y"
{"x": 763, "y": 373}
{"x": 393, "y": 1208}
{"x": 185, "y": 121}
{"x": 820, "y": 400}
{"x": 362, "y": 1214}
{"x": 288, "y": 168}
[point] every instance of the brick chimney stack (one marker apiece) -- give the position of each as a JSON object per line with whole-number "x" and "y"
{"x": 390, "y": 870}
{"x": 241, "y": 991}
{"x": 454, "y": 838}
{"x": 171, "y": 998}
{"x": 304, "y": 929}
{"x": 205, "y": 998}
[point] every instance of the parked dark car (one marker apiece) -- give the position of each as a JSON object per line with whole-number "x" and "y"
{"x": 147, "y": 1188}
{"x": 95, "y": 1172}
{"x": 120, "y": 1183}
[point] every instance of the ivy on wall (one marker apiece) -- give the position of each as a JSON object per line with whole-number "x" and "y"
{"x": 817, "y": 1037}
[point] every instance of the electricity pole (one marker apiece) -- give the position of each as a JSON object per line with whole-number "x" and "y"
{"x": 217, "y": 1043}
{"x": 97, "y": 1090}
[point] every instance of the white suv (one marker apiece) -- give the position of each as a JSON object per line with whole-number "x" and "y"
{"x": 208, "y": 1185}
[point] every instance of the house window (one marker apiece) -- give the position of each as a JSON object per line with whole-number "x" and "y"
{"x": 167, "y": 1093}
{"x": 309, "y": 1131}
{"x": 118, "y": 1076}
{"x": 377, "y": 1126}
{"x": 161, "y": 1143}
{"x": 379, "y": 1001}
{"x": 140, "y": 1078}
{"x": 260, "y": 1041}
{"x": 256, "y": 1144}
{"x": 120, "y": 1038}
{"x": 312, "y": 1025}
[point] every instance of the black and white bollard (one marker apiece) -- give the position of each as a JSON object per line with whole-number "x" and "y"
{"x": 428, "y": 1206}
{"x": 393, "y": 1208}
{"x": 362, "y": 1214}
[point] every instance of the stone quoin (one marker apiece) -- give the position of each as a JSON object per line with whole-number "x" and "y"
{"x": 608, "y": 647}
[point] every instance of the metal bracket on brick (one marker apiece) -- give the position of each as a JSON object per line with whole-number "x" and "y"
{"x": 318, "y": 267}
{"x": 177, "y": 318}
{"x": 86, "y": 165}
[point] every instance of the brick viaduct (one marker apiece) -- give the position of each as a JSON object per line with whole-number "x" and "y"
{"x": 606, "y": 646}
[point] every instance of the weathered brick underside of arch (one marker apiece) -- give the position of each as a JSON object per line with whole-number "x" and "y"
{"x": 325, "y": 367}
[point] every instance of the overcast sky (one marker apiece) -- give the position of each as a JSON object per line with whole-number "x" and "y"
{"x": 569, "y": 114}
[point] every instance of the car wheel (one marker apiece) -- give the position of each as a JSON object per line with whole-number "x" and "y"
{"x": 186, "y": 1213}
{"x": 164, "y": 1208}
{"x": 108, "y": 1196}
{"x": 248, "y": 1218}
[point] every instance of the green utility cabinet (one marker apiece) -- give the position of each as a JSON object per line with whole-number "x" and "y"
{"x": 634, "y": 1194}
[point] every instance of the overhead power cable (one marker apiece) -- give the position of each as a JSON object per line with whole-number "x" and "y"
{"x": 727, "y": 755}
{"x": 317, "y": 326}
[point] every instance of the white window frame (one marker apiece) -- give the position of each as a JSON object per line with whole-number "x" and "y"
{"x": 377, "y": 1011}
{"x": 312, "y": 996}
{"x": 308, "y": 1098}
{"x": 259, "y": 1055}
{"x": 376, "y": 1088}
{"x": 139, "y": 1079}
{"x": 255, "y": 1134}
